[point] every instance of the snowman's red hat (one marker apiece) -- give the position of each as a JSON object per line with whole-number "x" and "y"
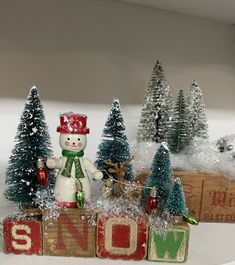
{"x": 73, "y": 123}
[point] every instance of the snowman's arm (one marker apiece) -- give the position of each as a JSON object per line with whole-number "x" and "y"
{"x": 92, "y": 170}
{"x": 59, "y": 163}
{"x": 54, "y": 163}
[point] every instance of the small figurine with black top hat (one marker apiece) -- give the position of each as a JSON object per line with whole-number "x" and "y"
{"x": 73, "y": 168}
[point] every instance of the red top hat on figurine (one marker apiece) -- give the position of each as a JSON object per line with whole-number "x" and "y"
{"x": 73, "y": 123}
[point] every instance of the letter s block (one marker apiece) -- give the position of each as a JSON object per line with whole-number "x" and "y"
{"x": 22, "y": 236}
{"x": 169, "y": 247}
{"x": 121, "y": 237}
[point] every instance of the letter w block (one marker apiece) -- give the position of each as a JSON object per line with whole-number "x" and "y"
{"x": 169, "y": 247}
{"x": 68, "y": 234}
{"x": 22, "y": 236}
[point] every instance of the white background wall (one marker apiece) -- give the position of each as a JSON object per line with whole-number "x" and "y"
{"x": 90, "y": 50}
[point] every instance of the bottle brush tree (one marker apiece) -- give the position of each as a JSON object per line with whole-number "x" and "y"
{"x": 176, "y": 202}
{"x": 32, "y": 141}
{"x": 160, "y": 176}
{"x": 114, "y": 144}
{"x": 179, "y": 135}
{"x": 196, "y": 112}
{"x": 157, "y": 109}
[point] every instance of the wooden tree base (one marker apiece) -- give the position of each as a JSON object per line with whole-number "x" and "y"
{"x": 171, "y": 247}
{"x": 70, "y": 234}
{"x": 31, "y": 212}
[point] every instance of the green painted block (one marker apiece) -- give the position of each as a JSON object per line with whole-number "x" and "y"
{"x": 170, "y": 247}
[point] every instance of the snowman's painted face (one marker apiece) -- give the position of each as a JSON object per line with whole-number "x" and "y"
{"x": 73, "y": 142}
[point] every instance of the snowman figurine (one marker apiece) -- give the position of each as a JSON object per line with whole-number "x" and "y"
{"x": 72, "y": 186}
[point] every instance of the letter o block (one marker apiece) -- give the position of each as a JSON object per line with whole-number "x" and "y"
{"x": 121, "y": 238}
{"x": 22, "y": 236}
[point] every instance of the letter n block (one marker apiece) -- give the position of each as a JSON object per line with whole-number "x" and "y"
{"x": 169, "y": 247}
{"x": 121, "y": 237}
{"x": 22, "y": 236}
{"x": 68, "y": 234}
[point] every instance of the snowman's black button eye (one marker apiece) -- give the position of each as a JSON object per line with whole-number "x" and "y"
{"x": 68, "y": 139}
{"x": 78, "y": 139}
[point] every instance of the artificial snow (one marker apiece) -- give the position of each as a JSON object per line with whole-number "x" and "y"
{"x": 143, "y": 153}
{"x": 34, "y": 129}
{"x": 201, "y": 156}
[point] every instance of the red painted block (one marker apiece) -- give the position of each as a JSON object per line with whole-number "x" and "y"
{"x": 22, "y": 236}
{"x": 121, "y": 237}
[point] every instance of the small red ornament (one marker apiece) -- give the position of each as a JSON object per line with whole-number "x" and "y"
{"x": 42, "y": 176}
{"x": 151, "y": 204}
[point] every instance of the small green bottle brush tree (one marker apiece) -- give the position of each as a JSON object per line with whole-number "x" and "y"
{"x": 114, "y": 144}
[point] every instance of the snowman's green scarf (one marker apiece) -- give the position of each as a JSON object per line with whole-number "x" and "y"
{"x": 72, "y": 157}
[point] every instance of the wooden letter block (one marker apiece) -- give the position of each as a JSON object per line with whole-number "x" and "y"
{"x": 70, "y": 234}
{"x": 22, "y": 236}
{"x": 170, "y": 247}
{"x": 121, "y": 237}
